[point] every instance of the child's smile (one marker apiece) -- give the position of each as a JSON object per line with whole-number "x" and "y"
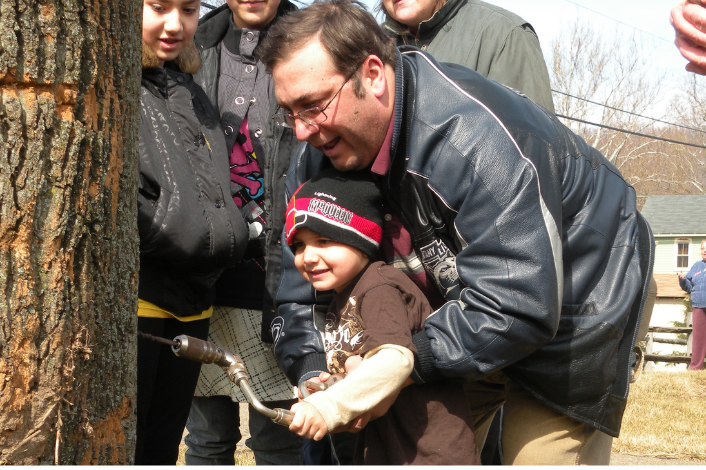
{"x": 324, "y": 263}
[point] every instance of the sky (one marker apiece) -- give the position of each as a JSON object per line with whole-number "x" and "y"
{"x": 649, "y": 19}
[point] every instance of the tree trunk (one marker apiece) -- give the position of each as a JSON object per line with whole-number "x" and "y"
{"x": 69, "y": 91}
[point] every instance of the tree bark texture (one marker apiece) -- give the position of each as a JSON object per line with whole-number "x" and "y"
{"x": 69, "y": 250}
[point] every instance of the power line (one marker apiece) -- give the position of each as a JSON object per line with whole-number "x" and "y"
{"x": 632, "y": 132}
{"x": 628, "y": 112}
{"x": 618, "y": 21}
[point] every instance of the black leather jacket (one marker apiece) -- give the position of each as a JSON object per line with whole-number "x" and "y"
{"x": 279, "y": 146}
{"x": 552, "y": 257}
{"x": 190, "y": 229}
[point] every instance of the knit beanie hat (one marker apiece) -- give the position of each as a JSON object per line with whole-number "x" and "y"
{"x": 345, "y": 207}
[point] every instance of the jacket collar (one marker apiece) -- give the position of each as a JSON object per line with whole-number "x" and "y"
{"x": 215, "y": 24}
{"x": 400, "y": 77}
{"x": 427, "y": 29}
{"x": 160, "y": 80}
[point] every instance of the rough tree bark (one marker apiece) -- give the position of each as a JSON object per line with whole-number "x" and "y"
{"x": 69, "y": 83}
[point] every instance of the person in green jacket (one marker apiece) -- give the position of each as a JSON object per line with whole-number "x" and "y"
{"x": 494, "y": 42}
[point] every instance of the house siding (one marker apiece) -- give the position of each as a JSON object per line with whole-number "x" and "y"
{"x": 665, "y": 254}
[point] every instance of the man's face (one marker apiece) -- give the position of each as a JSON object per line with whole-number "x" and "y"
{"x": 703, "y": 251}
{"x": 253, "y": 14}
{"x": 354, "y": 129}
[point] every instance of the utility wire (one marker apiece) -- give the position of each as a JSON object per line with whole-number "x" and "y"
{"x": 632, "y": 132}
{"x": 618, "y": 21}
{"x": 628, "y": 112}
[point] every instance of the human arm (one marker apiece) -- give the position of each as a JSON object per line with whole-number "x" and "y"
{"x": 686, "y": 280}
{"x": 510, "y": 233}
{"x": 381, "y": 375}
{"x": 298, "y": 343}
{"x": 689, "y": 20}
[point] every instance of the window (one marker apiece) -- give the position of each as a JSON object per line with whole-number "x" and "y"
{"x": 682, "y": 245}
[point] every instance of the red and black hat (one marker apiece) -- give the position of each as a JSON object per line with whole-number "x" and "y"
{"x": 345, "y": 207}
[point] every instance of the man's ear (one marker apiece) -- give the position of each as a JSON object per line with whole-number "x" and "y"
{"x": 373, "y": 71}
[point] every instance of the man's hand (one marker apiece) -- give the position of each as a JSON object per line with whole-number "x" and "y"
{"x": 689, "y": 21}
{"x": 313, "y": 379}
{"x": 308, "y": 422}
{"x": 681, "y": 276}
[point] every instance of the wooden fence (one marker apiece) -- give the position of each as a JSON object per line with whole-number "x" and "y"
{"x": 651, "y": 339}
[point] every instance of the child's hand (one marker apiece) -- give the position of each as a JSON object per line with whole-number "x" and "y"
{"x": 308, "y": 422}
{"x": 324, "y": 376}
{"x": 352, "y": 363}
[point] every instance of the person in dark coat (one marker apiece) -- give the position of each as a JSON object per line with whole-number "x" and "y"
{"x": 258, "y": 154}
{"x": 190, "y": 229}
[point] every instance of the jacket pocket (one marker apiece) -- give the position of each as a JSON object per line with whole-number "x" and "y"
{"x": 151, "y": 215}
{"x": 578, "y": 310}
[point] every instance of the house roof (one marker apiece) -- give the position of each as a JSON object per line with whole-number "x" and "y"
{"x": 668, "y": 286}
{"x": 677, "y": 215}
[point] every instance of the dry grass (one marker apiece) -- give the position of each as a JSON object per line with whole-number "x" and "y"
{"x": 666, "y": 416}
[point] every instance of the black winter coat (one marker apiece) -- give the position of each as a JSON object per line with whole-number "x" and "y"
{"x": 190, "y": 229}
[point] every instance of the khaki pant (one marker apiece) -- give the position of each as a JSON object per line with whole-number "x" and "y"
{"x": 532, "y": 433}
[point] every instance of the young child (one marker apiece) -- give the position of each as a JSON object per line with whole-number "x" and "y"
{"x": 334, "y": 228}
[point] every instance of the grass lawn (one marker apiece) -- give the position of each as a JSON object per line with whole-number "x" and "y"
{"x": 665, "y": 417}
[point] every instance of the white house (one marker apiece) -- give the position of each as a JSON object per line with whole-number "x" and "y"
{"x": 678, "y": 224}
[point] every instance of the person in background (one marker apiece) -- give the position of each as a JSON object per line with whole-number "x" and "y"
{"x": 694, "y": 283}
{"x": 689, "y": 20}
{"x": 334, "y": 228}
{"x": 494, "y": 42}
{"x": 496, "y": 211}
{"x": 258, "y": 154}
{"x": 190, "y": 229}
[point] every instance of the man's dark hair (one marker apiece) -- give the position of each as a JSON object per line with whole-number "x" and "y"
{"x": 347, "y": 31}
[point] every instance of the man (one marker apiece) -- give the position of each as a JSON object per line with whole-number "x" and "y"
{"x": 694, "y": 283}
{"x": 525, "y": 239}
{"x": 689, "y": 20}
{"x": 237, "y": 84}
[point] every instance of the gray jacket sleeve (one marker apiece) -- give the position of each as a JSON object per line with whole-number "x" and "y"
{"x": 518, "y": 63}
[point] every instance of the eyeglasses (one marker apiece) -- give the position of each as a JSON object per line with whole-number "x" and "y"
{"x": 311, "y": 116}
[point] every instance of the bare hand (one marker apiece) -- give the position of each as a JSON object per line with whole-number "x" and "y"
{"x": 682, "y": 276}
{"x": 308, "y": 422}
{"x": 311, "y": 390}
{"x": 689, "y": 21}
{"x": 352, "y": 363}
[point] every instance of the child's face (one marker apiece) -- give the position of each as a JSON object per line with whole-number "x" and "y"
{"x": 324, "y": 263}
{"x": 169, "y": 25}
